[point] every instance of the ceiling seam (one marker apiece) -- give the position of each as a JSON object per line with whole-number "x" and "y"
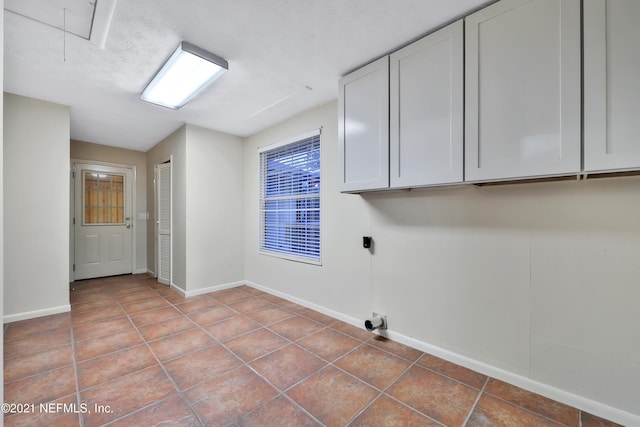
{"x": 50, "y": 25}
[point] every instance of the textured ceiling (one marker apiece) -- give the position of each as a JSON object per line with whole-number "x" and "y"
{"x": 285, "y": 56}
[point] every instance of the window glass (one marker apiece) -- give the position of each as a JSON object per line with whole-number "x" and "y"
{"x": 103, "y": 198}
{"x": 290, "y": 200}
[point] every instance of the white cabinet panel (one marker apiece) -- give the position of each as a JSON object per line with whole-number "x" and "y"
{"x": 522, "y": 83}
{"x": 611, "y": 90}
{"x": 363, "y": 128}
{"x": 426, "y": 106}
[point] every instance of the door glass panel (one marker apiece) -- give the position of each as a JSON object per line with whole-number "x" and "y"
{"x": 103, "y": 198}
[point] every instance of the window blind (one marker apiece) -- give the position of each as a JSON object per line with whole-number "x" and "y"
{"x": 290, "y": 199}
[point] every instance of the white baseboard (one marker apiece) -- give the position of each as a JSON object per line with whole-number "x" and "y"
{"x": 177, "y": 289}
{"x": 335, "y": 314}
{"x": 562, "y": 396}
{"x": 141, "y": 271}
{"x": 210, "y": 289}
{"x": 36, "y": 313}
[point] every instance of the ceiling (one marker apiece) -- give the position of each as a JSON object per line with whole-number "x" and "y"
{"x": 285, "y": 56}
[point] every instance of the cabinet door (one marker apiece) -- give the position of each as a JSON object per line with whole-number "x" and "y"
{"x": 523, "y": 94}
{"x": 363, "y": 128}
{"x": 426, "y": 106}
{"x": 611, "y": 90}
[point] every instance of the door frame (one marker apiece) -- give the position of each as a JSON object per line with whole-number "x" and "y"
{"x": 72, "y": 231}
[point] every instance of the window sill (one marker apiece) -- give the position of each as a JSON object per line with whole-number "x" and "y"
{"x": 289, "y": 257}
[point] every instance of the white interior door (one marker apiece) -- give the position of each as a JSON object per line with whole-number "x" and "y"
{"x": 103, "y": 220}
{"x": 163, "y": 192}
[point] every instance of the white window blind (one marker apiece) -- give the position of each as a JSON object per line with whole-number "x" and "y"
{"x": 290, "y": 199}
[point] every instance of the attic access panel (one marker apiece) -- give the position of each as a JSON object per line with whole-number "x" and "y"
{"x": 77, "y": 19}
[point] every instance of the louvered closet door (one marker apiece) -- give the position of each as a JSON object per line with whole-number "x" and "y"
{"x": 163, "y": 181}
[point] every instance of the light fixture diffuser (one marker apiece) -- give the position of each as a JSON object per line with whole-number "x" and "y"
{"x": 187, "y": 71}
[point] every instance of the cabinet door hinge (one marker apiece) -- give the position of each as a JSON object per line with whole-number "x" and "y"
{"x": 74, "y": 267}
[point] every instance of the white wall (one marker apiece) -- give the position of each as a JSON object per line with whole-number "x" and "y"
{"x": 36, "y": 209}
{"x": 343, "y": 282}
{"x": 81, "y": 150}
{"x": 173, "y": 145}
{"x": 214, "y": 208}
{"x": 539, "y": 281}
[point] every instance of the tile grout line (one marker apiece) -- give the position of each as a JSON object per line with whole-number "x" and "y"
{"x": 171, "y": 380}
{"x": 302, "y": 408}
{"x": 290, "y": 342}
{"x": 362, "y": 343}
{"x": 75, "y": 370}
{"x": 281, "y": 393}
{"x": 385, "y": 394}
{"x": 475, "y": 403}
{"x": 179, "y": 393}
{"x": 246, "y": 364}
{"x": 222, "y": 344}
{"x": 380, "y": 391}
{"x": 539, "y": 414}
{"x": 41, "y": 372}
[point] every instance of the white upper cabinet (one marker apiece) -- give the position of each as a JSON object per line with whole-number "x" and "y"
{"x": 611, "y": 89}
{"x": 522, "y": 90}
{"x": 426, "y": 110}
{"x": 363, "y": 128}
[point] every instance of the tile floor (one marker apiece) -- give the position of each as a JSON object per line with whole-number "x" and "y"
{"x": 133, "y": 352}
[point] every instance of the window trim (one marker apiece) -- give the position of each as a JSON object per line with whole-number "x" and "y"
{"x": 283, "y": 255}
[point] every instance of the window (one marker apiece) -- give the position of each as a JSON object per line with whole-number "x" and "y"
{"x": 103, "y": 198}
{"x": 290, "y": 199}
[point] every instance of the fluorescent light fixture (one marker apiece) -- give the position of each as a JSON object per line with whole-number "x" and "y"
{"x": 187, "y": 71}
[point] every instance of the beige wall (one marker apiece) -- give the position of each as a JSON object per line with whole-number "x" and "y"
{"x": 214, "y": 208}
{"x": 207, "y": 183}
{"x": 343, "y": 282}
{"x": 36, "y": 209}
{"x": 534, "y": 283}
{"x": 94, "y": 152}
